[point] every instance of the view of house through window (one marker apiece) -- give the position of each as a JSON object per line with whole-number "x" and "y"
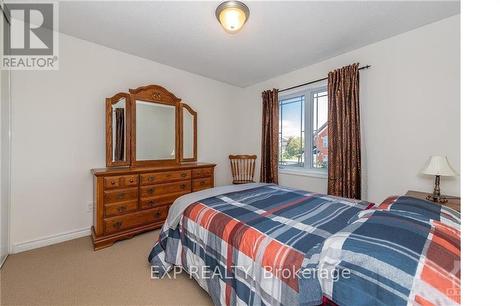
{"x": 320, "y": 130}
{"x": 303, "y": 130}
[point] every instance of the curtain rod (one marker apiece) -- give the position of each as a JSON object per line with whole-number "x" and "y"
{"x": 315, "y": 81}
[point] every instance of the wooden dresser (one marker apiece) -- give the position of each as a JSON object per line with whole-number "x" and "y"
{"x": 129, "y": 201}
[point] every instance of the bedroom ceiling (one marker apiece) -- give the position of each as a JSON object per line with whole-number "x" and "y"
{"x": 279, "y": 36}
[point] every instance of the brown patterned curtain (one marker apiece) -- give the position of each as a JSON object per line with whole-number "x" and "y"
{"x": 270, "y": 126}
{"x": 344, "y": 149}
{"x": 119, "y": 134}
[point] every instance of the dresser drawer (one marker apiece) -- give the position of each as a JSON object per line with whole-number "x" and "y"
{"x": 123, "y": 181}
{"x": 120, "y": 195}
{"x": 120, "y": 223}
{"x": 150, "y": 202}
{"x": 120, "y": 208}
{"x": 202, "y": 172}
{"x": 164, "y": 177}
{"x": 154, "y": 190}
{"x": 202, "y": 183}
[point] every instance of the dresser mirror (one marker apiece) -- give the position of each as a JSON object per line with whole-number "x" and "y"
{"x": 118, "y": 130}
{"x": 150, "y": 126}
{"x": 154, "y": 131}
{"x": 189, "y": 131}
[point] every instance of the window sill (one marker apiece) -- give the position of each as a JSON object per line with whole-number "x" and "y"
{"x": 305, "y": 172}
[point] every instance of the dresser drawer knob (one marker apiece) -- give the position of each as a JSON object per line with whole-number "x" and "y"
{"x": 151, "y": 202}
{"x": 120, "y": 195}
{"x": 151, "y": 190}
{"x": 122, "y": 208}
{"x": 117, "y": 224}
{"x": 151, "y": 178}
{"x": 157, "y": 214}
{"x": 183, "y": 186}
{"x": 131, "y": 180}
{"x": 184, "y": 174}
{"x": 113, "y": 182}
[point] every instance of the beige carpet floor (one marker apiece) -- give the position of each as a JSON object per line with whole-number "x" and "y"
{"x": 71, "y": 273}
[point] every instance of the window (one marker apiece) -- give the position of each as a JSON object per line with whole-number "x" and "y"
{"x": 320, "y": 130}
{"x": 291, "y": 132}
{"x": 303, "y": 130}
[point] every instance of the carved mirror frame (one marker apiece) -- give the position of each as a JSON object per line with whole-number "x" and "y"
{"x": 109, "y": 130}
{"x": 195, "y": 132}
{"x": 153, "y": 94}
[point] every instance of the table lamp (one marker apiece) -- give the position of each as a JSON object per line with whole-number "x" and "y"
{"x": 438, "y": 166}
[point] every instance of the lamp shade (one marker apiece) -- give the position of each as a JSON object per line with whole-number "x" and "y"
{"x": 439, "y": 165}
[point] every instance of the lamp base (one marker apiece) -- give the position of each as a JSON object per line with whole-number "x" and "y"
{"x": 438, "y": 199}
{"x": 436, "y": 194}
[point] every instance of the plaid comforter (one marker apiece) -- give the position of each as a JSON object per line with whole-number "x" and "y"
{"x": 404, "y": 252}
{"x": 277, "y": 246}
{"x": 248, "y": 247}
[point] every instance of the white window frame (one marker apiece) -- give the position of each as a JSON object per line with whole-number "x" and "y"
{"x": 308, "y": 93}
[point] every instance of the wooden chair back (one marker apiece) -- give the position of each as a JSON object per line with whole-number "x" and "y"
{"x": 242, "y": 168}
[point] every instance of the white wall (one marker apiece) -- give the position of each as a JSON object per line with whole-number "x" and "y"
{"x": 410, "y": 109}
{"x": 58, "y": 133}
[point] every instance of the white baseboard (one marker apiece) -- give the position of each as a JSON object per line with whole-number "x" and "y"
{"x": 2, "y": 260}
{"x": 48, "y": 240}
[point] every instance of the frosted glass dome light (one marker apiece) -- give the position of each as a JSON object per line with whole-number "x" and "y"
{"x": 232, "y": 15}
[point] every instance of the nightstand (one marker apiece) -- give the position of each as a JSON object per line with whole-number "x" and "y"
{"x": 453, "y": 202}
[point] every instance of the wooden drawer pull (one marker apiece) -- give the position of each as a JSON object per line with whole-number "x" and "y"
{"x": 117, "y": 224}
{"x": 151, "y": 190}
{"x": 157, "y": 214}
{"x": 121, "y": 208}
{"x": 151, "y": 203}
{"x": 113, "y": 182}
{"x": 131, "y": 180}
{"x": 183, "y": 186}
{"x": 151, "y": 178}
{"x": 120, "y": 195}
{"x": 184, "y": 174}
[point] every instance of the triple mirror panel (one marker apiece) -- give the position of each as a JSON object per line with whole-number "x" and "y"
{"x": 149, "y": 126}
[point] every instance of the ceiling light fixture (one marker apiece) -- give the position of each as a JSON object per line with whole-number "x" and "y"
{"x": 232, "y": 15}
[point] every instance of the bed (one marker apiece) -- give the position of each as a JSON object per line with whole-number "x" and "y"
{"x": 266, "y": 244}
